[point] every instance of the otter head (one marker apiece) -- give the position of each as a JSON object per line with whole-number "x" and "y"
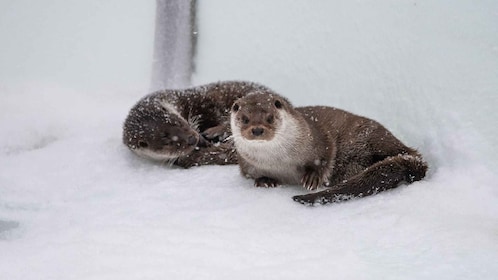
{"x": 156, "y": 131}
{"x": 258, "y": 116}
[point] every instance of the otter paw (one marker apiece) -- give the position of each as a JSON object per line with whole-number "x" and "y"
{"x": 203, "y": 142}
{"x": 216, "y": 133}
{"x": 184, "y": 163}
{"x": 312, "y": 179}
{"x": 266, "y": 182}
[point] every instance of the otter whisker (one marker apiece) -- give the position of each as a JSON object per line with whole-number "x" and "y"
{"x": 194, "y": 120}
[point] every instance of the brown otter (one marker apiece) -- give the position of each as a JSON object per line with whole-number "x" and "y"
{"x": 171, "y": 125}
{"x": 318, "y": 146}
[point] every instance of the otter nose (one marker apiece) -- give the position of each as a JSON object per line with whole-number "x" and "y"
{"x": 142, "y": 144}
{"x": 257, "y": 131}
{"x": 191, "y": 140}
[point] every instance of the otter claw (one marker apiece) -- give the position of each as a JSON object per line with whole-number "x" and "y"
{"x": 265, "y": 182}
{"x": 311, "y": 181}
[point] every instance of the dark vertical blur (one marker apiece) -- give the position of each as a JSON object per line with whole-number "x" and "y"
{"x": 174, "y": 44}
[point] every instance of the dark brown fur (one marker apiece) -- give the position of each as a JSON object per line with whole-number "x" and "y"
{"x": 171, "y": 125}
{"x": 319, "y": 146}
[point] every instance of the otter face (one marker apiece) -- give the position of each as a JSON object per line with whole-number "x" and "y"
{"x": 158, "y": 133}
{"x": 257, "y": 117}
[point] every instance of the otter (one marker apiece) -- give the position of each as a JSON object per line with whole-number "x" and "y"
{"x": 318, "y": 146}
{"x": 186, "y": 127}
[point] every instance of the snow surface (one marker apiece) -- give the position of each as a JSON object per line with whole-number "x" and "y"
{"x": 76, "y": 204}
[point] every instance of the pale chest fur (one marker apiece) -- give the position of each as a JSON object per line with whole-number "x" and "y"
{"x": 281, "y": 158}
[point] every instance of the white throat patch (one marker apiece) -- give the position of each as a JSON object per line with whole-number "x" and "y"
{"x": 267, "y": 153}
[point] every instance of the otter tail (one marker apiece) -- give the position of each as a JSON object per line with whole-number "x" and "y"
{"x": 381, "y": 176}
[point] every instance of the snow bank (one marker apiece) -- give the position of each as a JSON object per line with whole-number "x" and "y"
{"x": 76, "y": 204}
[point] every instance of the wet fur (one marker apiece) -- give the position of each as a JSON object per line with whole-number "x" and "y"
{"x": 319, "y": 146}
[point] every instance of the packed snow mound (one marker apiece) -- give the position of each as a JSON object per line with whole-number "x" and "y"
{"x": 73, "y": 197}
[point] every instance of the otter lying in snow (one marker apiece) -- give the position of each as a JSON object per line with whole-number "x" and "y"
{"x": 318, "y": 146}
{"x": 179, "y": 126}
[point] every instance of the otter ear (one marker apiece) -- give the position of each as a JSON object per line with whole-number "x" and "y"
{"x": 235, "y": 107}
{"x": 278, "y": 104}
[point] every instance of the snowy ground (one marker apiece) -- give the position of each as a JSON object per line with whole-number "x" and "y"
{"x": 76, "y": 204}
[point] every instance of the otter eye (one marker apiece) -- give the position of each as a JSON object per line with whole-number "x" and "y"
{"x": 245, "y": 120}
{"x": 278, "y": 104}
{"x": 142, "y": 144}
{"x": 235, "y": 107}
{"x": 269, "y": 119}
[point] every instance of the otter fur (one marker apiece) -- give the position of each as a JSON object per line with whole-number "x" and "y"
{"x": 318, "y": 146}
{"x": 186, "y": 127}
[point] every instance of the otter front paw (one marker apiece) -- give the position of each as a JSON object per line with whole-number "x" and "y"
{"x": 313, "y": 179}
{"x": 216, "y": 133}
{"x": 186, "y": 162}
{"x": 266, "y": 182}
{"x": 203, "y": 142}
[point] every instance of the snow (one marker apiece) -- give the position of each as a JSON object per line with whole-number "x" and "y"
{"x": 76, "y": 204}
